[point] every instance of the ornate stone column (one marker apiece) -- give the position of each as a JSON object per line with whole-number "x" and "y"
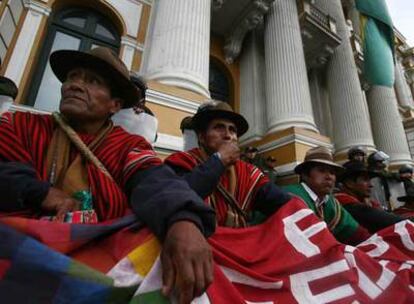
{"x": 252, "y": 93}
{"x": 402, "y": 89}
{"x": 351, "y": 125}
{"x": 287, "y": 90}
{"x": 178, "y": 52}
{"x": 387, "y": 125}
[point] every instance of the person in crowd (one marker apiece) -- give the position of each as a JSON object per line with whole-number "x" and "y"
{"x": 357, "y": 153}
{"x": 189, "y": 135}
{"x": 380, "y": 192}
{"x": 317, "y": 180}
{"x": 406, "y": 176}
{"x": 406, "y": 210}
{"x": 355, "y": 198}
{"x": 234, "y": 188}
{"x": 53, "y": 164}
{"x": 269, "y": 168}
{"x": 251, "y": 156}
{"x": 8, "y": 92}
{"x": 139, "y": 119}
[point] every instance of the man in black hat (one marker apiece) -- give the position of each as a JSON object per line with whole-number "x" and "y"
{"x": 318, "y": 176}
{"x": 234, "y": 188}
{"x": 355, "y": 198}
{"x": 58, "y": 163}
{"x": 406, "y": 176}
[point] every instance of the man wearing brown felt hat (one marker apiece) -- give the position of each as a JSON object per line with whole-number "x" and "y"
{"x": 318, "y": 174}
{"x": 77, "y": 159}
{"x": 234, "y": 188}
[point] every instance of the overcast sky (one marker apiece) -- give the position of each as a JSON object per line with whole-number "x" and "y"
{"x": 402, "y": 13}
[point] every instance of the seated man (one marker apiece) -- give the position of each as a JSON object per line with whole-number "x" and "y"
{"x": 234, "y": 188}
{"x": 318, "y": 175}
{"x": 355, "y": 198}
{"x": 54, "y": 164}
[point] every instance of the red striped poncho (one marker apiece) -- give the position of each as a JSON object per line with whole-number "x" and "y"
{"x": 249, "y": 179}
{"x": 25, "y": 138}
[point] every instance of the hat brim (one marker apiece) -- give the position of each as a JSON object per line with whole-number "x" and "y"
{"x": 64, "y": 61}
{"x": 314, "y": 162}
{"x": 200, "y": 120}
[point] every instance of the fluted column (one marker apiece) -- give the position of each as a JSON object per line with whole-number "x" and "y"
{"x": 402, "y": 89}
{"x": 252, "y": 95}
{"x": 387, "y": 125}
{"x": 288, "y": 101}
{"x": 180, "y": 44}
{"x": 350, "y": 120}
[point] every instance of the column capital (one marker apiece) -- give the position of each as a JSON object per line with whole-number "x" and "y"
{"x": 251, "y": 18}
{"x": 37, "y": 7}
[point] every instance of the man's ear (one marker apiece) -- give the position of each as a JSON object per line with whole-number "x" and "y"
{"x": 117, "y": 104}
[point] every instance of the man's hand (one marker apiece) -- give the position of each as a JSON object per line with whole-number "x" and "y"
{"x": 59, "y": 202}
{"x": 187, "y": 262}
{"x": 230, "y": 153}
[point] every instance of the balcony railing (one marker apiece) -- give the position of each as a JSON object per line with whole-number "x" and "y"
{"x": 319, "y": 32}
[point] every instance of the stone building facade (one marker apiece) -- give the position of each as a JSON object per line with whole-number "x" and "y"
{"x": 292, "y": 67}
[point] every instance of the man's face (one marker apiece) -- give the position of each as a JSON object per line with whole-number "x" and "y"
{"x": 321, "y": 179}
{"x": 86, "y": 96}
{"x": 218, "y": 132}
{"x": 361, "y": 186}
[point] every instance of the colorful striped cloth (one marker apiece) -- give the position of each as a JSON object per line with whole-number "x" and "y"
{"x": 291, "y": 258}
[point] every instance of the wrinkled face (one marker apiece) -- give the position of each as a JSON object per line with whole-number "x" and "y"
{"x": 321, "y": 179}
{"x": 86, "y": 97}
{"x": 361, "y": 186}
{"x": 218, "y": 132}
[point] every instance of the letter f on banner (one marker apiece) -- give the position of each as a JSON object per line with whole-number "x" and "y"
{"x": 300, "y": 238}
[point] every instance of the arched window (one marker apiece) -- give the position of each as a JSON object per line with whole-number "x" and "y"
{"x": 72, "y": 29}
{"x": 219, "y": 84}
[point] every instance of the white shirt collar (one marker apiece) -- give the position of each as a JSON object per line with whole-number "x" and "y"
{"x": 314, "y": 196}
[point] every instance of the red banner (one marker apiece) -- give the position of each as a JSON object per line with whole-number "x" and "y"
{"x": 293, "y": 258}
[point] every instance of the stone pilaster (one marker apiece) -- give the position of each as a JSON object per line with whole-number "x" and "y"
{"x": 387, "y": 125}
{"x": 179, "y": 46}
{"x": 402, "y": 89}
{"x": 350, "y": 119}
{"x": 36, "y": 13}
{"x": 287, "y": 91}
{"x": 252, "y": 93}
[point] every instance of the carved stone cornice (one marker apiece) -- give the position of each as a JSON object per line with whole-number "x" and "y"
{"x": 251, "y": 18}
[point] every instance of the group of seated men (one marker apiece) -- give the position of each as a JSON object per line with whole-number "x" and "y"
{"x": 78, "y": 160}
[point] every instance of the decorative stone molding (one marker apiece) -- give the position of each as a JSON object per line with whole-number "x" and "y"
{"x": 251, "y": 18}
{"x": 37, "y": 7}
{"x": 172, "y": 101}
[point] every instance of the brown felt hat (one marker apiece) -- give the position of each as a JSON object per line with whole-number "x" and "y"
{"x": 102, "y": 60}
{"x": 214, "y": 109}
{"x": 318, "y": 156}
